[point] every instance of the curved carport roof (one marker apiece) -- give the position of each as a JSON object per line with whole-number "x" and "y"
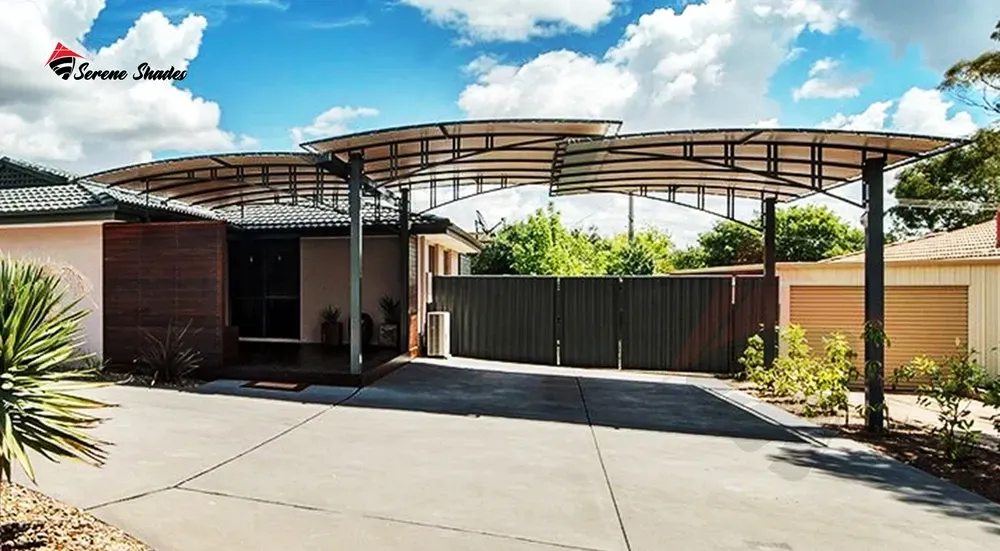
{"x": 786, "y": 164}
{"x": 494, "y": 154}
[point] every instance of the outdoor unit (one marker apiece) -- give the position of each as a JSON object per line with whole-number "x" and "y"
{"x": 439, "y": 334}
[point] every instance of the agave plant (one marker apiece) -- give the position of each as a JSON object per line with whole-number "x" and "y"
{"x": 169, "y": 359}
{"x": 41, "y": 369}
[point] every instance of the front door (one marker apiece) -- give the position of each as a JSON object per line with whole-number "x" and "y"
{"x": 264, "y": 276}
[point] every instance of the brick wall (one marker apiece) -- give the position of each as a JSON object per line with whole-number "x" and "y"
{"x": 155, "y": 273}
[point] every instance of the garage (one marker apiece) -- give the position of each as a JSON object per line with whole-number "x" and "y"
{"x": 919, "y": 320}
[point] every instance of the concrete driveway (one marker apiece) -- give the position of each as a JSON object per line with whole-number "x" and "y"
{"x": 472, "y": 455}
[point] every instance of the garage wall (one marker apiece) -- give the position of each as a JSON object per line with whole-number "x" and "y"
{"x": 80, "y": 246}
{"x": 981, "y": 279}
{"x": 326, "y": 277}
{"x": 919, "y": 320}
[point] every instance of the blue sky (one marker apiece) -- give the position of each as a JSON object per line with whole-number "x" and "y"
{"x": 275, "y": 64}
{"x": 257, "y": 69}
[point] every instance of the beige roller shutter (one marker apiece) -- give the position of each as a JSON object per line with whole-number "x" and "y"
{"x": 918, "y": 320}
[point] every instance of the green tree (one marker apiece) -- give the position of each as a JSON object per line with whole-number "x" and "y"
{"x": 41, "y": 369}
{"x": 541, "y": 245}
{"x": 970, "y": 174}
{"x": 651, "y": 252}
{"x": 802, "y": 234}
{"x": 976, "y": 81}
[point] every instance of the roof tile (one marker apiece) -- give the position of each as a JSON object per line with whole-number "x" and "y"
{"x": 978, "y": 241}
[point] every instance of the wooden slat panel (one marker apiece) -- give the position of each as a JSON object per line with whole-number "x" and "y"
{"x": 919, "y": 320}
{"x": 155, "y": 273}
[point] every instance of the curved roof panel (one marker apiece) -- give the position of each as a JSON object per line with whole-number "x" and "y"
{"x": 784, "y": 163}
{"x": 505, "y": 152}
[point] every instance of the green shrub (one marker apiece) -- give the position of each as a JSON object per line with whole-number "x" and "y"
{"x": 41, "y": 369}
{"x": 820, "y": 383}
{"x": 949, "y": 385}
{"x": 169, "y": 359}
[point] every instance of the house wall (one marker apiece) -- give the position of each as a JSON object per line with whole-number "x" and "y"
{"x": 326, "y": 274}
{"x": 982, "y": 279}
{"x": 158, "y": 274}
{"x": 80, "y": 246}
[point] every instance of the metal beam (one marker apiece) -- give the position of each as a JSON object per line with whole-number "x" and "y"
{"x": 356, "y": 163}
{"x": 770, "y": 309}
{"x": 404, "y": 271}
{"x": 671, "y": 201}
{"x": 874, "y": 328}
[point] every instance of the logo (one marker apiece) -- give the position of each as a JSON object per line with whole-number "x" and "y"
{"x": 63, "y": 63}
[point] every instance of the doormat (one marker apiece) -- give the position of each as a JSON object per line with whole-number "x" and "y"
{"x": 270, "y": 385}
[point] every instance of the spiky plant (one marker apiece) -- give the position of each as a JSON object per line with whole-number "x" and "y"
{"x": 170, "y": 359}
{"x": 41, "y": 369}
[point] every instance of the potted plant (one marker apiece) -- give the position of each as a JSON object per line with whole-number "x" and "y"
{"x": 332, "y": 331}
{"x": 388, "y": 333}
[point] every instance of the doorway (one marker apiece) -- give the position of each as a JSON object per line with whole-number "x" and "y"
{"x": 264, "y": 287}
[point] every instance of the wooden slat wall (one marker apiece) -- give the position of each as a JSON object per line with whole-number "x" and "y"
{"x": 919, "y": 320}
{"x": 155, "y": 273}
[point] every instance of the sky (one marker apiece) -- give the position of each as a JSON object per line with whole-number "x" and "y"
{"x": 267, "y": 74}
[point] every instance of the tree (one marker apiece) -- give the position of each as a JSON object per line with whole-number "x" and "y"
{"x": 802, "y": 234}
{"x": 540, "y": 245}
{"x": 976, "y": 81}
{"x": 971, "y": 173}
{"x": 40, "y": 370}
{"x": 651, "y": 252}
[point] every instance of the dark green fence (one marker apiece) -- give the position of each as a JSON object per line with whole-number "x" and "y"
{"x": 697, "y": 324}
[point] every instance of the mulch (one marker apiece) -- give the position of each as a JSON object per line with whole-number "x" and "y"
{"x": 914, "y": 445}
{"x": 31, "y": 520}
{"x": 139, "y": 379}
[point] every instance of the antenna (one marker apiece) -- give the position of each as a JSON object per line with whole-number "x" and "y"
{"x": 483, "y": 228}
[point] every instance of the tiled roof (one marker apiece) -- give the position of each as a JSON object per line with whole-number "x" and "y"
{"x": 286, "y": 216}
{"x": 27, "y": 188}
{"x": 978, "y": 241}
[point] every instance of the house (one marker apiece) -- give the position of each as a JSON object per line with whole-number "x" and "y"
{"x": 940, "y": 288}
{"x": 258, "y": 272}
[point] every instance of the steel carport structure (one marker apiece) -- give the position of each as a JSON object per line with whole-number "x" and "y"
{"x": 571, "y": 156}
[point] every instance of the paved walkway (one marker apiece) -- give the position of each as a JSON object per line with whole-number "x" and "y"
{"x": 904, "y": 408}
{"x": 471, "y": 455}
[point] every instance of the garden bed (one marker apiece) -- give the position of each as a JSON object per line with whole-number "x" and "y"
{"x": 31, "y": 520}
{"x": 143, "y": 380}
{"x": 912, "y": 444}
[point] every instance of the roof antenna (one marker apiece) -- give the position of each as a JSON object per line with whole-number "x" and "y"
{"x": 485, "y": 229}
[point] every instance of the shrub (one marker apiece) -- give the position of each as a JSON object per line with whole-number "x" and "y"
{"x": 949, "y": 385}
{"x": 819, "y": 382}
{"x": 169, "y": 359}
{"x": 41, "y": 369}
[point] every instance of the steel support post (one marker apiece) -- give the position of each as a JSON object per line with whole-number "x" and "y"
{"x": 357, "y": 162}
{"x": 874, "y": 330}
{"x": 404, "y": 271}
{"x": 770, "y": 309}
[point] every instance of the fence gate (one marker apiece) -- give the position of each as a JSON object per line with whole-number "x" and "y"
{"x": 506, "y": 318}
{"x": 698, "y": 324}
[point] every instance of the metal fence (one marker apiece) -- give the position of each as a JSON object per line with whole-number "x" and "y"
{"x": 698, "y": 324}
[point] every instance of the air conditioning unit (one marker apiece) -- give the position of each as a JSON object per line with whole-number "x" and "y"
{"x": 439, "y": 334}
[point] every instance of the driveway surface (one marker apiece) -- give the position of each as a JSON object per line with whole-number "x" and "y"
{"x": 466, "y": 455}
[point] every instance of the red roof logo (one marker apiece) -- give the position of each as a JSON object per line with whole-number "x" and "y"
{"x": 63, "y": 61}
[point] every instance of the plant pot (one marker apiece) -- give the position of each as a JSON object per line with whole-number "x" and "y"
{"x": 388, "y": 335}
{"x": 332, "y": 334}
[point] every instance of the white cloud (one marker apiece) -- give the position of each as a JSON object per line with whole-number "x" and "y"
{"x": 944, "y": 31}
{"x": 332, "y": 122}
{"x": 91, "y": 125}
{"x": 918, "y": 111}
{"x": 516, "y": 20}
{"x": 707, "y": 65}
{"x": 825, "y": 82}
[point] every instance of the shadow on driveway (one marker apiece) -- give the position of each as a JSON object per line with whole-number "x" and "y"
{"x": 615, "y": 403}
{"x": 908, "y": 484}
